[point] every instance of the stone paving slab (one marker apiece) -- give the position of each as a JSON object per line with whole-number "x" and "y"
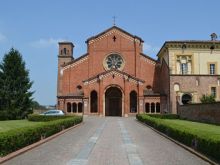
{"x": 109, "y": 149}
{"x": 108, "y": 141}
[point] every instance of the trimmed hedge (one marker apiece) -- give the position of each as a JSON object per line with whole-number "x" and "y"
{"x": 15, "y": 139}
{"x": 164, "y": 116}
{"x": 40, "y": 118}
{"x": 209, "y": 147}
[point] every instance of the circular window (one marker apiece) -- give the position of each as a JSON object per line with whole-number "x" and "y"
{"x": 149, "y": 87}
{"x": 113, "y": 61}
{"x": 79, "y": 87}
{"x": 186, "y": 98}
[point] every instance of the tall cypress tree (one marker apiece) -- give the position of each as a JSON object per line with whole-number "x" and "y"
{"x": 15, "y": 95}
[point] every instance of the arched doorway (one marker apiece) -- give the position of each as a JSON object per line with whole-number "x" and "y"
{"x": 113, "y": 102}
{"x": 69, "y": 107}
{"x": 133, "y": 102}
{"x": 80, "y": 107}
{"x": 147, "y": 107}
{"x": 94, "y": 102}
{"x": 152, "y": 107}
{"x": 186, "y": 98}
{"x": 74, "y": 107}
{"x": 157, "y": 107}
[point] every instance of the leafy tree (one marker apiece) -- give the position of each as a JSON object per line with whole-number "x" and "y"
{"x": 15, "y": 97}
{"x": 36, "y": 105}
{"x": 207, "y": 99}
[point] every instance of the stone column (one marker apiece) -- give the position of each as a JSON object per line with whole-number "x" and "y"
{"x": 85, "y": 106}
{"x": 100, "y": 96}
{"x": 141, "y": 105}
{"x": 126, "y": 107}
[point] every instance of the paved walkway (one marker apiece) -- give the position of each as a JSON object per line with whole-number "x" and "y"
{"x": 108, "y": 141}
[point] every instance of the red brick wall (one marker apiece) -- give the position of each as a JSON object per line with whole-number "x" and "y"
{"x": 188, "y": 84}
{"x": 99, "y": 49}
{"x": 73, "y": 76}
{"x": 163, "y": 84}
{"x": 208, "y": 113}
{"x": 147, "y": 71}
{"x": 135, "y": 64}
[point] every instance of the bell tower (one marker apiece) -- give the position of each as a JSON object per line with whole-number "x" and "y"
{"x": 65, "y": 55}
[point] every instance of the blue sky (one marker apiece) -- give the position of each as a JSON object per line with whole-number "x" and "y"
{"x": 35, "y": 27}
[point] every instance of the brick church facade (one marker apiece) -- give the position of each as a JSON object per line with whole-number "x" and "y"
{"x": 115, "y": 77}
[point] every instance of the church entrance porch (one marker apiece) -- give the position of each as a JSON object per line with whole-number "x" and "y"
{"x": 113, "y": 102}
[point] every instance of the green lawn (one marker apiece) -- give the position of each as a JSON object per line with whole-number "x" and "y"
{"x": 208, "y": 131}
{"x": 13, "y": 124}
{"x": 205, "y": 138}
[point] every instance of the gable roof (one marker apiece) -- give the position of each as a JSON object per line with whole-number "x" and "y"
{"x": 148, "y": 57}
{"x": 75, "y": 60}
{"x": 114, "y": 71}
{"x": 109, "y": 29}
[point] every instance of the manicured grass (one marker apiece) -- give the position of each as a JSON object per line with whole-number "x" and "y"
{"x": 204, "y": 138}
{"x": 17, "y": 134}
{"x": 208, "y": 131}
{"x": 13, "y": 124}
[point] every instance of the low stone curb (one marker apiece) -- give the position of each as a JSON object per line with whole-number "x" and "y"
{"x": 181, "y": 144}
{"x": 34, "y": 145}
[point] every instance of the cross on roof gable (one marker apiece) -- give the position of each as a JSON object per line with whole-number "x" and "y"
{"x": 113, "y": 28}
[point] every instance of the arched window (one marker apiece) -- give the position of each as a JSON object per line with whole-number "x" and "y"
{"x": 186, "y": 98}
{"x": 184, "y": 64}
{"x": 93, "y": 102}
{"x": 176, "y": 87}
{"x": 64, "y": 50}
{"x": 74, "y": 105}
{"x": 133, "y": 102}
{"x": 80, "y": 107}
{"x": 147, "y": 107}
{"x": 158, "y": 107}
{"x": 68, "y": 107}
{"x": 152, "y": 107}
{"x": 79, "y": 90}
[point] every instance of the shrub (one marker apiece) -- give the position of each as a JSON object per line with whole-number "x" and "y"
{"x": 207, "y": 99}
{"x": 35, "y": 117}
{"x": 210, "y": 147}
{"x": 164, "y": 116}
{"x": 13, "y": 140}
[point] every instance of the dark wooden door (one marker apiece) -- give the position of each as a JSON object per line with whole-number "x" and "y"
{"x": 114, "y": 106}
{"x": 113, "y": 102}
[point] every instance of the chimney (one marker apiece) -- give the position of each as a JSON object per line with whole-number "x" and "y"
{"x": 214, "y": 36}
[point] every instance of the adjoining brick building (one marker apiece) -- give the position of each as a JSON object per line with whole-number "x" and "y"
{"x": 115, "y": 77}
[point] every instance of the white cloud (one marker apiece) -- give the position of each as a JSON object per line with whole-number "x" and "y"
{"x": 150, "y": 50}
{"x": 2, "y": 37}
{"x": 44, "y": 43}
